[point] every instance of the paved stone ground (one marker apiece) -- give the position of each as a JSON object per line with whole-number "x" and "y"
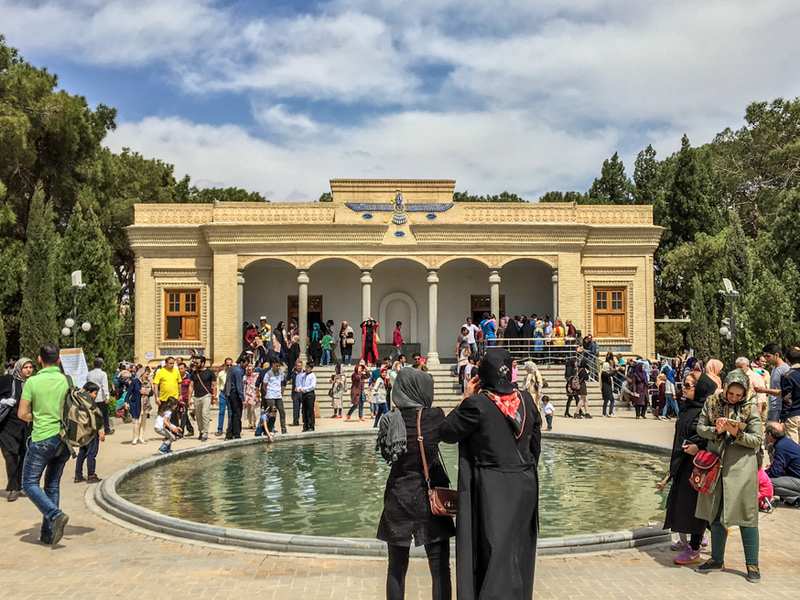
{"x": 98, "y": 559}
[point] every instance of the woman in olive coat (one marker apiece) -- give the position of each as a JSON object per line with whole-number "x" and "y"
{"x": 732, "y": 425}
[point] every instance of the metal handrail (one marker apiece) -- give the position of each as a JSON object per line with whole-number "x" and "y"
{"x": 542, "y": 351}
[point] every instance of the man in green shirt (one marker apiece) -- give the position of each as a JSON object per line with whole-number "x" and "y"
{"x": 41, "y": 404}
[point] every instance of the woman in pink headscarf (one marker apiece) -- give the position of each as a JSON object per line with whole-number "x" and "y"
{"x": 713, "y": 369}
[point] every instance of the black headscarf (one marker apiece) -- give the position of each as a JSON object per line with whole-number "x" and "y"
{"x": 686, "y": 426}
{"x": 412, "y": 389}
{"x": 495, "y": 372}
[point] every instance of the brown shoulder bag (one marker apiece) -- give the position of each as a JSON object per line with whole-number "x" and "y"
{"x": 444, "y": 501}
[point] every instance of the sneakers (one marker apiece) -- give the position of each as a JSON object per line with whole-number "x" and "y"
{"x": 704, "y": 542}
{"x": 141, "y": 441}
{"x": 133, "y": 443}
{"x": 613, "y": 416}
{"x": 679, "y": 545}
{"x": 753, "y": 574}
{"x": 13, "y": 495}
{"x": 163, "y": 449}
{"x": 59, "y": 523}
{"x": 710, "y": 565}
{"x": 792, "y": 503}
{"x": 79, "y": 479}
{"x": 93, "y": 479}
{"x": 687, "y": 557}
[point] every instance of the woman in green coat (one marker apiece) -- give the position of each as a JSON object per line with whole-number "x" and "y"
{"x": 732, "y": 424}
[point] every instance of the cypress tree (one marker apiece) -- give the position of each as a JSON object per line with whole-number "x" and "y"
{"x": 703, "y": 327}
{"x": 85, "y": 249}
{"x": 38, "y": 320}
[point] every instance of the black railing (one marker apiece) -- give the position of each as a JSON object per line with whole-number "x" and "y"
{"x": 543, "y": 351}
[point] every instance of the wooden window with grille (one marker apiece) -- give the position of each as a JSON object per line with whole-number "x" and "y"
{"x": 182, "y": 315}
{"x": 610, "y": 312}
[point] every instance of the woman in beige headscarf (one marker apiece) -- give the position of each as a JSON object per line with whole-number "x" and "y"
{"x": 534, "y": 382}
{"x": 713, "y": 369}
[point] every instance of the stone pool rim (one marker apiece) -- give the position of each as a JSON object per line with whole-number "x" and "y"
{"x": 108, "y": 500}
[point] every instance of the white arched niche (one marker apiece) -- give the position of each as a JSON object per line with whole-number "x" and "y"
{"x": 398, "y": 307}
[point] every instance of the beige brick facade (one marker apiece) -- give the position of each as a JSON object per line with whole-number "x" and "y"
{"x": 208, "y": 248}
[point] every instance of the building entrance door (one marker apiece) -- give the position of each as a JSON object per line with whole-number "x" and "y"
{"x": 314, "y": 310}
{"x": 483, "y": 303}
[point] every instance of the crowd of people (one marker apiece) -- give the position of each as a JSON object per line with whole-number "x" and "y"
{"x": 748, "y": 418}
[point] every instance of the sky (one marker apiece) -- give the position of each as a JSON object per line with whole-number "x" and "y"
{"x": 521, "y": 96}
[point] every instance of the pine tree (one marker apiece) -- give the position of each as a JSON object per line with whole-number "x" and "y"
{"x": 613, "y": 185}
{"x": 85, "y": 249}
{"x": 38, "y": 318}
{"x": 645, "y": 177}
{"x": 703, "y": 327}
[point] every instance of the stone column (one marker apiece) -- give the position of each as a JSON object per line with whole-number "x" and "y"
{"x": 302, "y": 310}
{"x": 366, "y": 293}
{"x": 433, "y": 316}
{"x": 554, "y": 279}
{"x": 226, "y": 339}
{"x": 240, "y": 320}
{"x": 494, "y": 292}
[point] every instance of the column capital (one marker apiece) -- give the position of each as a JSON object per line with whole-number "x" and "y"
{"x": 302, "y": 276}
{"x": 433, "y": 275}
{"x": 240, "y": 276}
{"x": 366, "y": 275}
{"x": 554, "y": 278}
{"x": 494, "y": 276}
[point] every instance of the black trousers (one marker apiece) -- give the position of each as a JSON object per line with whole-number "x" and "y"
{"x": 14, "y": 458}
{"x": 235, "y": 421}
{"x": 278, "y": 403}
{"x": 438, "y": 563}
{"x": 640, "y": 410}
{"x": 308, "y": 410}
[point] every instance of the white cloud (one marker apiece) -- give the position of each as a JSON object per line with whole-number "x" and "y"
{"x": 484, "y": 152}
{"x": 536, "y": 94}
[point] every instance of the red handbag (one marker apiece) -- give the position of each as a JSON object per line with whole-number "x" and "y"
{"x": 706, "y": 472}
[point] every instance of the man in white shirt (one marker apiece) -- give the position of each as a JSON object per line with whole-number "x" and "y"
{"x": 274, "y": 382}
{"x": 305, "y": 384}
{"x": 472, "y": 329}
{"x": 98, "y": 376}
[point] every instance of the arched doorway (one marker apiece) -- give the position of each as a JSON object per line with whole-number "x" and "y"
{"x": 400, "y": 291}
{"x": 527, "y": 286}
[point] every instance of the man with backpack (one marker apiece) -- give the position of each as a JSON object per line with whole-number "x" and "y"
{"x": 41, "y": 405}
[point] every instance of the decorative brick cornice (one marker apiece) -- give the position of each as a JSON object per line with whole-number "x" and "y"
{"x": 200, "y": 273}
{"x": 611, "y": 271}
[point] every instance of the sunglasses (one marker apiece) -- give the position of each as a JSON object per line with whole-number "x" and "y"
{"x": 687, "y": 386}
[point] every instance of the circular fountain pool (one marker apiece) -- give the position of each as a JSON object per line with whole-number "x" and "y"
{"x": 333, "y": 487}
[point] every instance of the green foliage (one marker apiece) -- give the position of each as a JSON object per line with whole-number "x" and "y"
{"x": 2, "y": 342}
{"x": 573, "y": 197}
{"x": 702, "y": 334}
{"x": 326, "y": 197}
{"x": 613, "y": 185}
{"x": 38, "y": 317}
{"x": 85, "y": 249}
{"x": 671, "y": 338}
{"x": 647, "y": 178}
{"x": 502, "y": 197}
{"x": 209, "y": 195}
{"x": 739, "y": 263}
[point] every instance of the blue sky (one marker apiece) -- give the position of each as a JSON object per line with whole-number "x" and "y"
{"x": 523, "y": 96}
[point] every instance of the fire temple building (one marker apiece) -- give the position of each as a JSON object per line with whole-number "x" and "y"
{"x": 415, "y": 257}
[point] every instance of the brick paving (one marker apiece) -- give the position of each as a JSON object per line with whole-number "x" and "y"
{"x": 99, "y": 560}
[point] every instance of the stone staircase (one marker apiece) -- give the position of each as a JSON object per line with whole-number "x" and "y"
{"x": 447, "y": 391}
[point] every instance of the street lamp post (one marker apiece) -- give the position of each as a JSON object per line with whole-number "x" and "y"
{"x": 731, "y": 294}
{"x": 71, "y": 323}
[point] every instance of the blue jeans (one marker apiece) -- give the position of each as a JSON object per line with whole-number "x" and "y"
{"x": 382, "y": 410}
{"x": 89, "y": 454}
{"x": 359, "y": 406}
{"x": 326, "y": 357}
{"x": 223, "y": 405}
{"x": 42, "y": 459}
{"x": 670, "y": 403}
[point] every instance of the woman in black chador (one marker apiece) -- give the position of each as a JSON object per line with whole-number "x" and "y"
{"x": 406, "y": 511}
{"x": 498, "y": 431}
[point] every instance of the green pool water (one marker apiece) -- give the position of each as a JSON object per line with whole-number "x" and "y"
{"x": 334, "y": 487}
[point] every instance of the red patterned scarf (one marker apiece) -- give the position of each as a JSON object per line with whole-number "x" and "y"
{"x": 507, "y": 404}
